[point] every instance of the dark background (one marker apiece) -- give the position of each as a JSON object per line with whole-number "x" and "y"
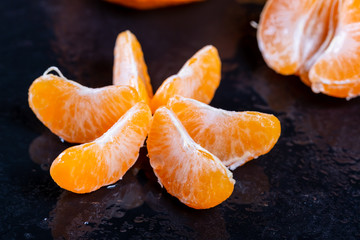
{"x": 307, "y": 187}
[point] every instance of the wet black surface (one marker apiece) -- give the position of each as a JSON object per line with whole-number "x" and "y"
{"x": 307, "y": 187}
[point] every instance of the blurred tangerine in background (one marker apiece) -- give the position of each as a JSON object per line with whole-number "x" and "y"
{"x": 316, "y": 40}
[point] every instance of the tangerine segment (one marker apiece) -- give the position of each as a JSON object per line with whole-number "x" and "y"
{"x": 234, "y": 137}
{"x": 150, "y": 4}
{"x": 319, "y": 31}
{"x": 129, "y": 65}
{"x": 87, "y": 167}
{"x": 337, "y": 71}
{"x": 76, "y": 113}
{"x": 186, "y": 170}
{"x": 198, "y": 79}
{"x": 291, "y": 32}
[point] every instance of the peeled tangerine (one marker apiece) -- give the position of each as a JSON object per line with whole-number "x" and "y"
{"x": 234, "y": 137}
{"x": 319, "y": 40}
{"x": 186, "y": 170}
{"x": 76, "y": 113}
{"x": 88, "y": 167}
{"x": 198, "y": 79}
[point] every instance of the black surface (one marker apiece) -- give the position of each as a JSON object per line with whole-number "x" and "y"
{"x": 307, "y": 187}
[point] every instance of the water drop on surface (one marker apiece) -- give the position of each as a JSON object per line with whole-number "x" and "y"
{"x": 28, "y": 236}
{"x": 254, "y": 24}
{"x": 139, "y": 219}
{"x": 45, "y": 166}
{"x": 119, "y": 214}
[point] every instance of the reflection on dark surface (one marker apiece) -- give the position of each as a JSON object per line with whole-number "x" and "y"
{"x": 45, "y": 148}
{"x": 77, "y": 215}
{"x": 122, "y": 206}
{"x": 185, "y": 222}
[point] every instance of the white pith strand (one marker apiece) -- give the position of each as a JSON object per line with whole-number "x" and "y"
{"x": 254, "y": 24}
{"x": 55, "y": 69}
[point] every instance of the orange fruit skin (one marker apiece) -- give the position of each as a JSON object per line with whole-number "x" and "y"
{"x": 87, "y": 167}
{"x": 150, "y": 4}
{"x": 76, "y": 113}
{"x": 129, "y": 65}
{"x": 317, "y": 40}
{"x": 186, "y": 170}
{"x": 198, "y": 79}
{"x": 234, "y": 137}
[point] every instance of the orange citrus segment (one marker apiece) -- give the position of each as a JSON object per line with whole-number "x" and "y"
{"x": 290, "y": 32}
{"x": 87, "y": 167}
{"x": 150, "y": 4}
{"x": 279, "y": 33}
{"x": 198, "y": 79}
{"x": 318, "y": 40}
{"x": 234, "y": 137}
{"x": 76, "y": 113}
{"x": 186, "y": 170}
{"x": 129, "y": 65}
{"x": 337, "y": 71}
{"x": 319, "y": 31}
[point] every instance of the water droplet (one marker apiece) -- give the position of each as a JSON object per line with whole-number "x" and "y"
{"x": 111, "y": 186}
{"x": 139, "y": 219}
{"x": 119, "y": 214}
{"x": 254, "y": 24}
{"x": 28, "y": 236}
{"x": 45, "y": 166}
{"x": 44, "y": 224}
